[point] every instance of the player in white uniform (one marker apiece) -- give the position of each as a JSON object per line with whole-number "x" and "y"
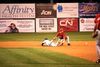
{"x": 48, "y": 43}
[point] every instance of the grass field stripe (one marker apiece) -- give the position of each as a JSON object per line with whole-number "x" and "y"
{"x": 7, "y": 57}
{"x": 25, "y": 56}
{"x": 33, "y": 56}
{"x": 74, "y": 36}
{"x": 59, "y": 58}
{"x": 71, "y": 61}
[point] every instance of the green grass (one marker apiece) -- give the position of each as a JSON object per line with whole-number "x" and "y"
{"x": 35, "y": 57}
{"x": 38, "y": 57}
{"x": 74, "y": 36}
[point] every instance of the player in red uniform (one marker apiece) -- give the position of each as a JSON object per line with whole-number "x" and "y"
{"x": 62, "y": 37}
{"x": 96, "y": 34}
{"x": 97, "y": 22}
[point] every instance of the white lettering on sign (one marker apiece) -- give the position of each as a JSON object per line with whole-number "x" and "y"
{"x": 66, "y": 22}
{"x": 44, "y": 12}
{"x": 17, "y": 9}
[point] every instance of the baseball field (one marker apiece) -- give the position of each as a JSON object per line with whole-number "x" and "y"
{"x": 25, "y": 50}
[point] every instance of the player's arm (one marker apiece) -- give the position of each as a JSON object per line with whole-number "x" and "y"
{"x": 94, "y": 34}
{"x": 97, "y": 21}
{"x": 96, "y": 27}
{"x": 65, "y": 37}
{"x": 55, "y": 36}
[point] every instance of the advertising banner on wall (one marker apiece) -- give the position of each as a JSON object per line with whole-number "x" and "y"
{"x": 88, "y": 9}
{"x": 22, "y": 25}
{"x": 86, "y": 24}
{"x": 68, "y": 24}
{"x": 45, "y": 11}
{"x": 17, "y": 10}
{"x": 46, "y": 25}
{"x": 67, "y": 10}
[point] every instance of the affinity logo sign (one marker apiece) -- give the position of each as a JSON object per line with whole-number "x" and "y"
{"x": 60, "y": 8}
{"x": 17, "y": 11}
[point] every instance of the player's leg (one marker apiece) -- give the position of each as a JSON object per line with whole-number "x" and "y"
{"x": 53, "y": 44}
{"x": 98, "y": 47}
{"x": 68, "y": 40}
{"x": 61, "y": 42}
{"x": 98, "y": 54}
{"x": 58, "y": 42}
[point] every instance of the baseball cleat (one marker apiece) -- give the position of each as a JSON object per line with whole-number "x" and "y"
{"x": 98, "y": 61}
{"x": 68, "y": 44}
{"x": 61, "y": 44}
{"x": 42, "y": 44}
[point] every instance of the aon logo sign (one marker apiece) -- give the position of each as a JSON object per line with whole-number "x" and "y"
{"x": 44, "y": 12}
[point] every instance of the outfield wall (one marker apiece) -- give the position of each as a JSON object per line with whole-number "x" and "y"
{"x": 48, "y": 17}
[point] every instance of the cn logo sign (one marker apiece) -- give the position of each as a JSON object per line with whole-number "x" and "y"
{"x": 66, "y": 22}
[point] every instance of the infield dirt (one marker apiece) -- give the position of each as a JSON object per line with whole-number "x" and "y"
{"x": 82, "y": 49}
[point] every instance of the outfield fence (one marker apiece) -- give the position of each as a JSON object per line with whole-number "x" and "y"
{"x": 47, "y": 17}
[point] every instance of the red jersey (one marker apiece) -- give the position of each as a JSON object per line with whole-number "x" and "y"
{"x": 61, "y": 34}
{"x": 97, "y": 20}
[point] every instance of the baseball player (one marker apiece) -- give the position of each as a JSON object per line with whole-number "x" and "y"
{"x": 96, "y": 34}
{"x": 48, "y": 43}
{"x": 62, "y": 37}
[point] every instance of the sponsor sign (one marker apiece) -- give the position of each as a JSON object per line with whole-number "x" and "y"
{"x": 45, "y": 11}
{"x": 87, "y": 24}
{"x": 69, "y": 24}
{"x": 22, "y": 25}
{"x": 46, "y": 25}
{"x": 67, "y": 10}
{"x": 17, "y": 10}
{"x": 88, "y": 9}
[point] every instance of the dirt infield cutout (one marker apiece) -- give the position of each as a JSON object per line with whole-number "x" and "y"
{"x": 82, "y": 49}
